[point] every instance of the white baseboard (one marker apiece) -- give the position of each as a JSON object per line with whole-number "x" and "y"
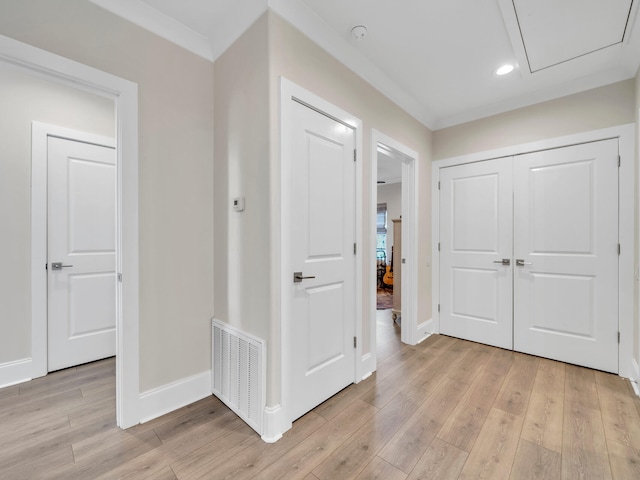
{"x": 425, "y": 330}
{"x": 274, "y": 424}
{"x": 172, "y": 396}
{"x": 368, "y": 365}
{"x": 17, "y": 371}
{"x": 635, "y": 375}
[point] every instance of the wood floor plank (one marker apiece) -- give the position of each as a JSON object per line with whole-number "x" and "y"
{"x": 514, "y": 395}
{"x": 311, "y": 452}
{"x": 411, "y": 441}
{"x": 471, "y": 364}
{"x": 494, "y": 451}
{"x": 534, "y": 462}
{"x": 584, "y": 447}
{"x": 336, "y": 404}
{"x": 620, "y": 416}
{"x": 580, "y": 386}
{"x": 33, "y": 468}
{"x": 357, "y": 451}
{"x": 247, "y": 464}
{"x": 463, "y": 426}
{"x": 625, "y": 461}
{"x": 378, "y": 469}
{"x": 543, "y": 421}
{"x": 441, "y": 461}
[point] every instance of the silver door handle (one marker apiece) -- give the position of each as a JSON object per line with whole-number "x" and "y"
{"x": 297, "y": 277}
{"x": 521, "y": 263}
{"x": 504, "y": 261}
{"x": 59, "y": 266}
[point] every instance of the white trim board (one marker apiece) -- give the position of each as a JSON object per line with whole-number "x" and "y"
{"x": 626, "y": 138}
{"x": 289, "y": 91}
{"x": 40, "y": 133}
{"x": 159, "y": 401}
{"x": 125, "y": 95}
{"x": 14, "y": 372}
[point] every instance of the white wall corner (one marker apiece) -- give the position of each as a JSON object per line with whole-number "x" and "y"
{"x": 636, "y": 378}
{"x": 425, "y": 330}
{"x": 274, "y": 424}
{"x": 172, "y": 396}
{"x": 17, "y": 371}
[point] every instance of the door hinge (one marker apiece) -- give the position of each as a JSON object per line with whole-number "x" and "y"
{"x": 618, "y": 249}
{"x": 619, "y": 160}
{"x": 438, "y": 307}
{"x": 355, "y": 248}
{"x": 618, "y": 337}
{"x": 438, "y": 246}
{"x": 438, "y": 185}
{"x": 46, "y": 266}
{"x": 355, "y": 342}
{"x": 355, "y": 154}
{"x": 120, "y": 277}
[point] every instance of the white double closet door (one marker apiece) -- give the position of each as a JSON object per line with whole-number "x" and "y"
{"x": 529, "y": 253}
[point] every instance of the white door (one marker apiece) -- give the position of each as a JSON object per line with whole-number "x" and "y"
{"x": 81, "y": 252}
{"x": 566, "y": 234}
{"x": 475, "y": 238}
{"x": 322, "y": 251}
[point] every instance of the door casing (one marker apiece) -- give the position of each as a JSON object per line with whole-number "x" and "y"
{"x": 626, "y": 173}
{"x": 124, "y": 93}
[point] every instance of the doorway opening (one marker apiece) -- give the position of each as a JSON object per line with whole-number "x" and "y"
{"x": 394, "y": 200}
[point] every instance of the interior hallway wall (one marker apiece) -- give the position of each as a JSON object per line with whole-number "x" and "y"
{"x": 175, "y": 94}
{"x": 391, "y": 194}
{"x": 25, "y": 98}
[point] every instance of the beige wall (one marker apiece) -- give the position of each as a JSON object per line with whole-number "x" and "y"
{"x": 242, "y": 239}
{"x": 598, "y": 108}
{"x": 25, "y": 98}
{"x": 295, "y": 57}
{"x": 175, "y": 166}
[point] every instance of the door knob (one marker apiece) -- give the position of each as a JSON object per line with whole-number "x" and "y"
{"x": 504, "y": 261}
{"x": 521, "y": 263}
{"x": 59, "y": 266}
{"x": 297, "y": 277}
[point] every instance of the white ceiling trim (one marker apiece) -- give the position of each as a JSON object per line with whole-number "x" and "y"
{"x": 328, "y": 39}
{"x": 157, "y": 22}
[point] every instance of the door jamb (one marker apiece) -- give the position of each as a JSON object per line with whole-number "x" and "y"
{"x": 125, "y": 96}
{"x": 282, "y": 421}
{"x": 410, "y": 162}
{"x": 40, "y": 133}
{"x": 626, "y": 218}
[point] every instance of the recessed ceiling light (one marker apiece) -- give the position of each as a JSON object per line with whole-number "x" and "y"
{"x": 503, "y": 70}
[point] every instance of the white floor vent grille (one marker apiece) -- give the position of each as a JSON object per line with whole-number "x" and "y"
{"x": 238, "y": 373}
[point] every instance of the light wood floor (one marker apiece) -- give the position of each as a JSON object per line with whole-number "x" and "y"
{"x": 445, "y": 409}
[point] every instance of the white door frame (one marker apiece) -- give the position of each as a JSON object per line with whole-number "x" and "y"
{"x": 626, "y": 137}
{"x": 125, "y": 96}
{"x": 409, "y": 314}
{"x": 282, "y": 246}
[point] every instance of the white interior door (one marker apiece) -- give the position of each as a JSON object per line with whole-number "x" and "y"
{"x": 322, "y": 251}
{"x": 566, "y": 234}
{"x": 475, "y": 236}
{"x": 81, "y": 252}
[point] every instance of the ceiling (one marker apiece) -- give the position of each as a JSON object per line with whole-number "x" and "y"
{"x": 436, "y": 59}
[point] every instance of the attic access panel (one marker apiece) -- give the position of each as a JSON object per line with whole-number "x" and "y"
{"x": 556, "y": 31}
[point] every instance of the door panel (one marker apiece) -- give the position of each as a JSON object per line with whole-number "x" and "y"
{"x": 322, "y": 232}
{"x": 475, "y": 233}
{"x": 566, "y": 232}
{"x": 81, "y": 236}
